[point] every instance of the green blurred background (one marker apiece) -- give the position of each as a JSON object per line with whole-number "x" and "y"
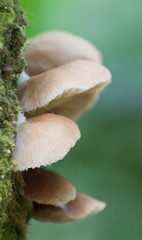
{"x": 106, "y": 162}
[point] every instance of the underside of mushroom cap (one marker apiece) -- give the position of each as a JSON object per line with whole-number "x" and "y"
{"x": 51, "y": 49}
{"x": 81, "y": 207}
{"x": 67, "y": 90}
{"x": 46, "y": 187}
{"x": 43, "y": 140}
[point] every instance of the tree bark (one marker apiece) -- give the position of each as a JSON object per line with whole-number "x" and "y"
{"x": 14, "y": 210}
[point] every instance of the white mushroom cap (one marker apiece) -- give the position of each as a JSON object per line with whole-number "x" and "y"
{"x": 44, "y": 140}
{"x": 67, "y": 90}
{"x": 81, "y": 207}
{"x": 55, "y": 48}
{"x": 46, "y": 187}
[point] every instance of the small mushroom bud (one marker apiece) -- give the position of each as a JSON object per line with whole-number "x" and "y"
{"x": 67, "y": 90}
{"x": 52, "y": 49}
{"x": 81, "y": 207}
{"x": 43, "y": 140}
{"x": 20, "y": 118}
{"x": 46, "y": 187}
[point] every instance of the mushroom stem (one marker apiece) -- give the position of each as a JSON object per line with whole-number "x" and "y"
{"x": 23, "y": 77}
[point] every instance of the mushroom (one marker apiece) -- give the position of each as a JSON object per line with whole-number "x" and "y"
{"x": 82, "y": 206}
{"x": 55, "y": 48}
{"x": 46, "y": 187}
{"x": 43, "y": 140}
{"x": 67, "y": 90}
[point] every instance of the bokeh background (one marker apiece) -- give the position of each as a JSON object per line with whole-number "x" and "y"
{"x": 106, "y": 162}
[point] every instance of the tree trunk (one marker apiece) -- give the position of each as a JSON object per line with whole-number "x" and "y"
{"x": 14, "y": 210}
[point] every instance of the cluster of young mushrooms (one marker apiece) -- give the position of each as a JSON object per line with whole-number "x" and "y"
{"x": 63, "y": 78}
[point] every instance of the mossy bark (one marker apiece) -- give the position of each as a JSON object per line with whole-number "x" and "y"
{"x": 13, "y": 208}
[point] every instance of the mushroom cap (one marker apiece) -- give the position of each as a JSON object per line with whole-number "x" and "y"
{"x": 55, "y": 48}
{"x": 81, "y": 207}
{"x": 67, "y": 90}
{"x": 46, "y": 187}
{"x": 43, "y": 140}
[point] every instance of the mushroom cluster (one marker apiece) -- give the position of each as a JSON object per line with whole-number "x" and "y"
{"x": 63, "y": 78}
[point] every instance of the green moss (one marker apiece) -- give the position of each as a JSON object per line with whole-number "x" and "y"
{"x": 19, "y": 211}
{"x": 8, "y": 112}
{"x": 14, "y": 210}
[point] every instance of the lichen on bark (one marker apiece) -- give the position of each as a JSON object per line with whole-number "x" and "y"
{"x": 13, "y": 208}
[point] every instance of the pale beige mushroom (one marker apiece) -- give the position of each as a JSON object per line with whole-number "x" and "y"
{"x": 52, "y": 49}
{"x": 46, "y": 187}
{"x": 82, "y": 206}
{"x": 43, "y": 140}
{"x": 67, "y": 90}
